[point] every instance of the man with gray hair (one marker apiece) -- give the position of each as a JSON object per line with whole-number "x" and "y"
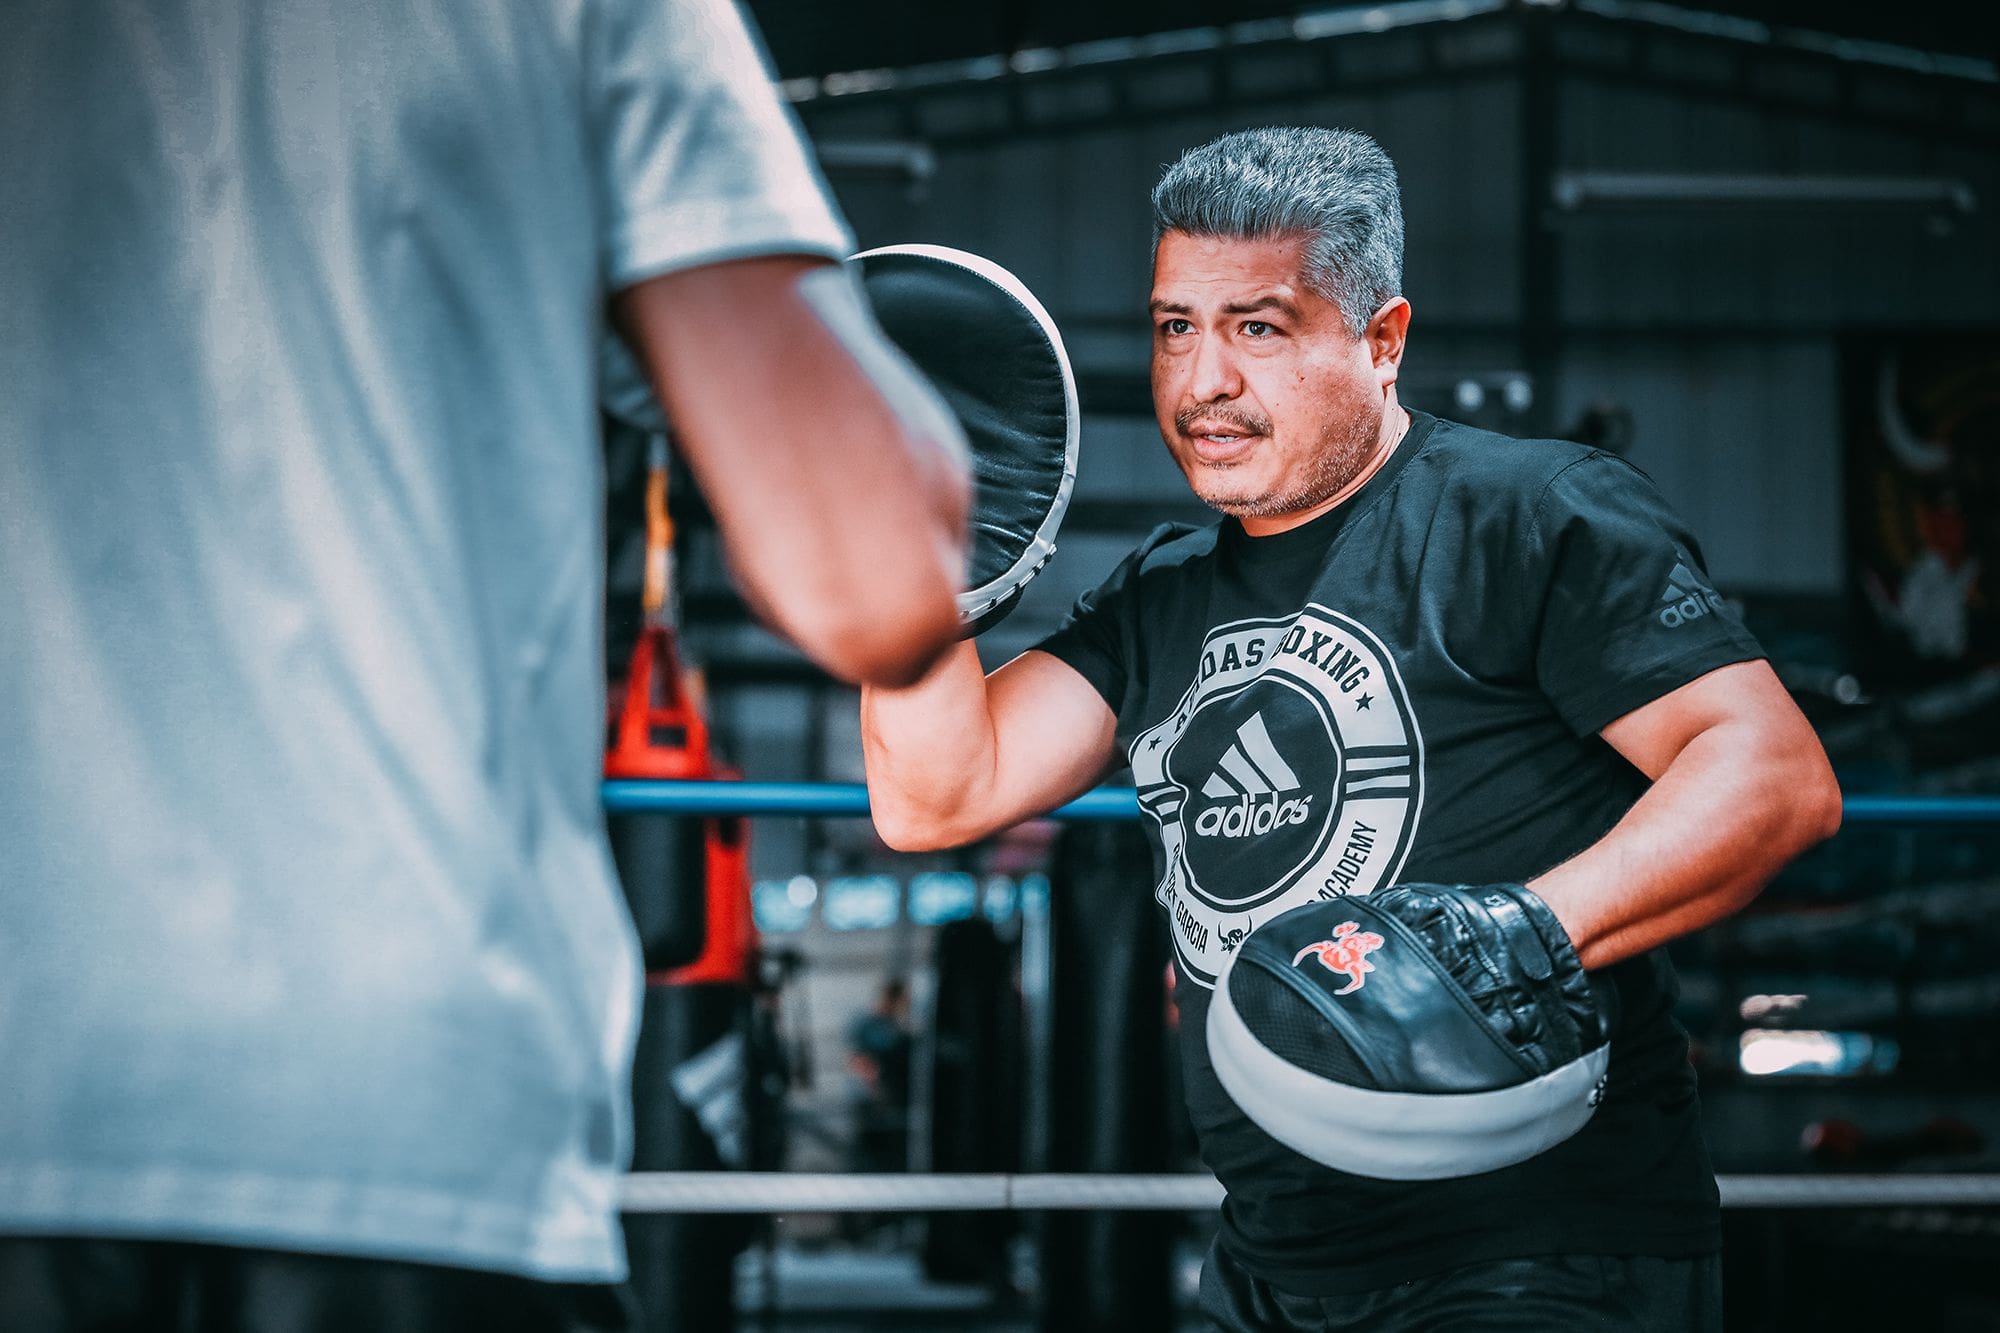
{"x": 1413, "y": 657}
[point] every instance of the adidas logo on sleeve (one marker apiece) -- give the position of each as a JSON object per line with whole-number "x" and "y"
{"x": 1688, "y": 597}
{"x": 1251, "y": 778}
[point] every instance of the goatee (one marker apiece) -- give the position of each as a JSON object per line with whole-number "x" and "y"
{"x": 1339, "y": 458}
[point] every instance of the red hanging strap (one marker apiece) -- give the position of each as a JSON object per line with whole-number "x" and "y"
{"x": 658, "y": 730}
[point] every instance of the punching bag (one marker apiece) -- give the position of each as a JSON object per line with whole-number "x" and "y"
{"x": 973, "y": 1049}
{"x": 1108, "y": 1100}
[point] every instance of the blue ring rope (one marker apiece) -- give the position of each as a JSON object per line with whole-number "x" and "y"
{"x": 850, "y": 799}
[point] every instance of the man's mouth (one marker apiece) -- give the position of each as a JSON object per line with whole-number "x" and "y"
{"x": 1220, "y": 444}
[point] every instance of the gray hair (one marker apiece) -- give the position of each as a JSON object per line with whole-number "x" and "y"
{"x": 1335, "y": 187}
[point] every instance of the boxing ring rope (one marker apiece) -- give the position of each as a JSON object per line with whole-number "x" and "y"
{"x": 788, "y": 1192}
{"x": 838, "y": 799}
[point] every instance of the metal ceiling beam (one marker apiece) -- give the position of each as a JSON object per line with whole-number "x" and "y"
{"x": 1576, "y": 191}
{"x": 1953, "y": 99}
{"x": 1127, "y": 75}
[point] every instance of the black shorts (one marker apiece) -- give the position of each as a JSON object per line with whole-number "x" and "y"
{"x": 73, "y": 1284}
{"x": 1632, "y": 1293}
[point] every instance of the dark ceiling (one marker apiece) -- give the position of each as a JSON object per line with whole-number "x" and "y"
{"x": 813, "y": 37}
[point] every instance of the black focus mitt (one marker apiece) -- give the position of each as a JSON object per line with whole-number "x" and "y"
{"x": 1416, "y": 1033}
{"x": 993, "y": 353}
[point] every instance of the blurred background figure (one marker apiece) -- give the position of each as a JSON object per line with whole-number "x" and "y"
{"x": 878, "y": 1060}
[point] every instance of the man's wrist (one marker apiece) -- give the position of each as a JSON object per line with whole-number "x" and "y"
{"x": 1564, "y": 894}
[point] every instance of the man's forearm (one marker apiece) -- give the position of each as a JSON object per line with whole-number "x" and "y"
{"x": 1724, "y": 817}
{"x": 928, "y": 747}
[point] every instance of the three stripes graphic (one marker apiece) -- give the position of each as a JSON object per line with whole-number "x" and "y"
{"x": 1253, "y": 762}
{"x": 1252, "y": 766}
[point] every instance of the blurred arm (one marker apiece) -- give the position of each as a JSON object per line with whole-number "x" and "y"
{"x": 836, "y": 474}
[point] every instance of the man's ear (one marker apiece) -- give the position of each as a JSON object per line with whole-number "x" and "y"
{"x": 1387, "y": 329}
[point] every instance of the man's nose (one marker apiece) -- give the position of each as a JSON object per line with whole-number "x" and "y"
{"x": 1213, "y": 377}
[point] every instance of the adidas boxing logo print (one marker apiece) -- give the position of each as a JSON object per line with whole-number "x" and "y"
{"x": 1290, "y": 769}
{"x": 1688, "y": 597}
{"x": 1251, "y": 779}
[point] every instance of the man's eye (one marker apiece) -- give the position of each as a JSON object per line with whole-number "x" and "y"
{"x": 1174, "y": 327}
{"x": 1257, "y": 328}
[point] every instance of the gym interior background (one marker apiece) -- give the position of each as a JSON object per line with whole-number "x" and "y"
{"x": 1755, "y": 247}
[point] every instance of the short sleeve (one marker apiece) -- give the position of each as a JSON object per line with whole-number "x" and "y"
{"x": 697, "y": 159}
{"x": 1629, "y": 613}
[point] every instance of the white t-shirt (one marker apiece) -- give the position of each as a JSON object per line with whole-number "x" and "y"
{"x": 308, "y": 933}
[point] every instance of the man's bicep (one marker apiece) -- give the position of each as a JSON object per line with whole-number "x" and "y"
{"x": 778, "y": 355}
{"x": 1653, "y": 734}
{"x": 1053, "y": 735}
{"x": 707, "y": 332}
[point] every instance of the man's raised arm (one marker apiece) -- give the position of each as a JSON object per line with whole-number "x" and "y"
{"x": 959, "y": 754}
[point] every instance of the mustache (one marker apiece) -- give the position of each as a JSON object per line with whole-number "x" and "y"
{"x": 1247, "y": 422}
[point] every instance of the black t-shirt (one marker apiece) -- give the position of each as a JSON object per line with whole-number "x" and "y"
{"x": 1409, "y": 688}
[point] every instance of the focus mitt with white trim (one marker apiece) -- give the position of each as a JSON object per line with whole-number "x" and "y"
{"x": 991, "y": 350}
{"x": 1420, "y": 1032}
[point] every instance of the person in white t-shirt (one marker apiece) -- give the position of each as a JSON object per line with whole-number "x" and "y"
{"x": 319, "y": 995}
